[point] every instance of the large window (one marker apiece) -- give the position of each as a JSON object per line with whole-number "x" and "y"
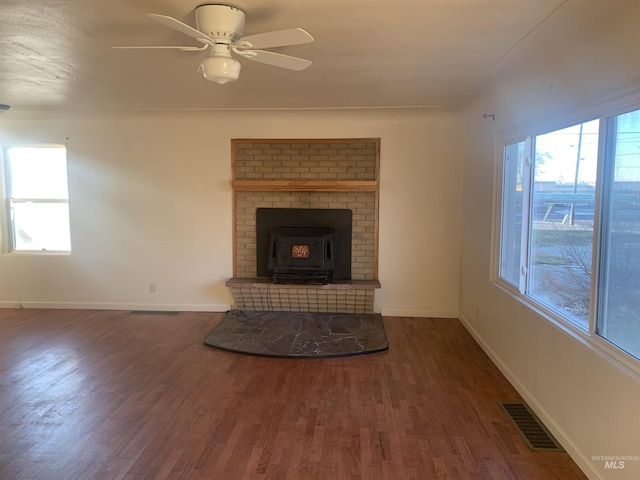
{"x": 570, "y": 225}
{"x": 36, "y": 199}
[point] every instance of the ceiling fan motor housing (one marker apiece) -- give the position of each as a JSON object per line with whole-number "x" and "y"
{"x": 220, "y": 21}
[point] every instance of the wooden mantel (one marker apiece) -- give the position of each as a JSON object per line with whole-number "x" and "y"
{"x": 304, "y": 186}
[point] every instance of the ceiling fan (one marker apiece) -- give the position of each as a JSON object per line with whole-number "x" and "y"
{"x": 219, "y": 28}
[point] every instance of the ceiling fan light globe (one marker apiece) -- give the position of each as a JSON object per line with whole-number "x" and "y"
{"x": 220, "y": 69}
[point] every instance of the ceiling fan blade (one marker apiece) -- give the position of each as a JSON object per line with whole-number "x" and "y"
{"x": 180, "y": 27}
{"x": 280, "y": 38}
{"x": 276, "y": 59}
{"x": 175, "y": 47}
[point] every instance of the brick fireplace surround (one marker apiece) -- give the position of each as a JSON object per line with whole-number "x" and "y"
{"x": 318, "y": 173}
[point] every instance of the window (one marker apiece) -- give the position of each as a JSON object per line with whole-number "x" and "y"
{"x": 561, "y": 235}
{"x": 570, "y": 225}
{"x": 513, "y": 213}
{"x": 618, "y": 316}
{"x": 37, "y": 200}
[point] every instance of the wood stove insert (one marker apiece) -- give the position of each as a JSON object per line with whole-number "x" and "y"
{"x": 303, "y": 245}
{"x": 302, "y": 255}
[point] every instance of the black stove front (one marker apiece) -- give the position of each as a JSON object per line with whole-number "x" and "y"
{"x": 303, "y": 246}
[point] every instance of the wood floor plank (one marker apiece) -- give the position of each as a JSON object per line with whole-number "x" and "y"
{"x": 105, "y": 395}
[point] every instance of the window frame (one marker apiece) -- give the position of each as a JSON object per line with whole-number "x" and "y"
{"x": 7, "y": 227}
{"x": 588, "y": 335}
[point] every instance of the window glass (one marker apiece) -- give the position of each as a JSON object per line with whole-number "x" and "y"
{"x": 38, "y": 172}
{"x": 512, "y": 212}
{"x": 562, "y": 215}
{"x": 38, "y": 201}
{"x": 619, "y": 284}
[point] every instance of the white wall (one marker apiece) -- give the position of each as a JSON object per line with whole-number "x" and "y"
{"x": 150, "y": 201}
{"x": 588, "y": 401}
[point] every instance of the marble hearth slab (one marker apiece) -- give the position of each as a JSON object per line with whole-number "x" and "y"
{"x": 299, "y": 334}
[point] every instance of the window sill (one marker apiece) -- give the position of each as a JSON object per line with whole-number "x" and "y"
{"x": 36, "y": 253}
{"x": 609, "y": 352}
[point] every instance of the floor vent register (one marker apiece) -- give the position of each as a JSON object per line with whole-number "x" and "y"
{"x": 532, "y": 430}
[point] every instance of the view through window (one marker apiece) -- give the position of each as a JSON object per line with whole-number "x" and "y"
{"x": 563, "y": 199}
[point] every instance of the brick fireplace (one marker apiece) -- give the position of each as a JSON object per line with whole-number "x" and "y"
{"x": 306, "y": 174}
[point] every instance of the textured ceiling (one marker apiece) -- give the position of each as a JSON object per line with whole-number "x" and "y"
{"x": 56, "y": 54}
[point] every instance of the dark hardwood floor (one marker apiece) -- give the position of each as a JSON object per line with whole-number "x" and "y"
{"x": 104, "y": 395}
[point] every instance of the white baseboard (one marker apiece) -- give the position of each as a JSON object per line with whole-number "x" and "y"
{"x": 389, "y": 312}
{"x": 575, "y": 453}
{"x": 117, "y": 306}
{"x": 399, "y": 312}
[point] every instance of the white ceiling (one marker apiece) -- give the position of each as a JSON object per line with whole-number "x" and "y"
{"x": 56, "y": 54}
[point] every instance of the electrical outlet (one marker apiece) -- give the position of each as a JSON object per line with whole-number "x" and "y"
{"x": 152, "y": 288}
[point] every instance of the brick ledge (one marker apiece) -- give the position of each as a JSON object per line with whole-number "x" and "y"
{"x": 260, "y": 282}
